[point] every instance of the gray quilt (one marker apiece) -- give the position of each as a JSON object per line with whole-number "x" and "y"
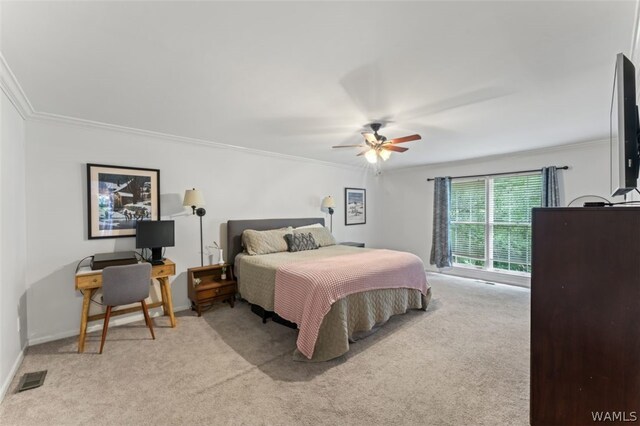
{"x": 349, "y": 318}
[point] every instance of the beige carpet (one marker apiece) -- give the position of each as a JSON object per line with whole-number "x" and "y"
{"x": 463, "y": 362}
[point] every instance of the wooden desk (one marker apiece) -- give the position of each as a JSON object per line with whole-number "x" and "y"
{"x": 88, "y": 281}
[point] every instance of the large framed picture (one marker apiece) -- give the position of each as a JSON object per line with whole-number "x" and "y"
{"x": 118, "y": 197}
{"x": 355, "y": 206}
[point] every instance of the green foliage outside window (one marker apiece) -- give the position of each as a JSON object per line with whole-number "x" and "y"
{"x": 492, "y": 216}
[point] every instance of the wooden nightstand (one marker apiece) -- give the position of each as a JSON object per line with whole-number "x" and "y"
{"x": 352, "y": 244}
{"x": 206, "y": 286}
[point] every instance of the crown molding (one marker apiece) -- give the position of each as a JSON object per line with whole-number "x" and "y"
{"x": 10, "y": 86}
{"x": 79, "y": 122}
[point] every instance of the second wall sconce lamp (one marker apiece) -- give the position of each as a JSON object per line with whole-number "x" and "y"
{"x": 329, "y": 204}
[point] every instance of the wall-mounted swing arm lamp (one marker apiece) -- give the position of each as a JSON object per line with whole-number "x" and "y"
{"x": 193, "y": 198}
{"x": 329, "y": 204}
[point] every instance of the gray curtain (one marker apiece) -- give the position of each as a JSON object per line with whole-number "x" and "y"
{"x": 550, "y": 190}
{"x": 441, "y": 244}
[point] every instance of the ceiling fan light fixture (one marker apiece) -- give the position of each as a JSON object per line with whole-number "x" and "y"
{"x": 385, "y": 154}
{"x": 378, "y": 146}
{"x": 371, "y": 156}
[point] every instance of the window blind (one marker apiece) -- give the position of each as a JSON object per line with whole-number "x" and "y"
{"x": 513, "y": 199}
{"x": 468, "y": 217}
{"x": 490, "y": 221}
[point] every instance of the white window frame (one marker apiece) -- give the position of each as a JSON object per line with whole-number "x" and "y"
{"x": 488, "y": 271}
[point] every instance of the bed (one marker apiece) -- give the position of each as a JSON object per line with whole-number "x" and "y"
{"x": 348, "y": 318}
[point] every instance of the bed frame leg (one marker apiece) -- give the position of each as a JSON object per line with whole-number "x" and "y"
{"x": 261, "y": 312}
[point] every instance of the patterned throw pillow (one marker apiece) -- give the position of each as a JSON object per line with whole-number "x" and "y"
{"x": 300, "y": 242}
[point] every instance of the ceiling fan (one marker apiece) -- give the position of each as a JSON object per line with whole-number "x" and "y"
{"x": 377, "y": 146}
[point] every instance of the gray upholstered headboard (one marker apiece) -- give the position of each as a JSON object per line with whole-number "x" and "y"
{"x": 235, "y": 228}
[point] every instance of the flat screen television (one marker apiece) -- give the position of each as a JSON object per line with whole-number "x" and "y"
{"x": 155, "y": 235}
{"x": 624, "y": 128}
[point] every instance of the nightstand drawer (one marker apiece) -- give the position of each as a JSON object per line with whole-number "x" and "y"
{"x": 217, "y": 291}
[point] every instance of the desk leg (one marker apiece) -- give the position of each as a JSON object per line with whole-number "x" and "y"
{"x": 168, "y": 302}
{"x": 163, "y": 295}
{"x": 86, "y": 301}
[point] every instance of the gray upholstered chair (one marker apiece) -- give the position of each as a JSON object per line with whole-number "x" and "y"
{"x": 122, "y": 285}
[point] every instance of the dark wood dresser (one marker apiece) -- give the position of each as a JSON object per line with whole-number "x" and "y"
{"x": 585, "y": 316}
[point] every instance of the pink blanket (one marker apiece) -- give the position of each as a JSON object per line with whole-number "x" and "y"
{"x": 305, "y": 291}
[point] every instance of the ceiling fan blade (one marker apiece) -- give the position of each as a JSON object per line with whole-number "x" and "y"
{"x": 394, "y": 148}
{"x": 370, "y": 138}
{"x": 348, "y": 146}
{"x": 363, "y": 152}
{"x": 404, "y": 139}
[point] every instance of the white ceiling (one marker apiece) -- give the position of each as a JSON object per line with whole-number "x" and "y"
{"x": 473, "y": 78}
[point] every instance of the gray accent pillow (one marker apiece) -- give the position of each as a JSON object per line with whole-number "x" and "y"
{"x": 322, "y": 235}
{"x": 265, "y": 242}
{"x": 300, "y": 242}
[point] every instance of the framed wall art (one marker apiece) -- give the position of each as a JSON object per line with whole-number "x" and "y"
{"x": 119, "y": 197}
{"x": 355, "y": 206}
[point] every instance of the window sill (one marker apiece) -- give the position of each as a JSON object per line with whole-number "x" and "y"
{"x": 517, "y": 279}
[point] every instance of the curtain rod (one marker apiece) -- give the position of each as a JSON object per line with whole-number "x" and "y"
{"x": 500, "y": 174}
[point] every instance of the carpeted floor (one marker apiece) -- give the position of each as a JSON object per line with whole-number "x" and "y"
{"x": 463, "y": 362}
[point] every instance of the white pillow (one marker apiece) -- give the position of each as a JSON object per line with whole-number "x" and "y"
{"x": 265, "y": 242}
{"x": 315, "y": 225}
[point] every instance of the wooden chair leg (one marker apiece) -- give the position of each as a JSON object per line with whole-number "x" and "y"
{"x": 146, "y": 318}
{"x": 105, "y": 327}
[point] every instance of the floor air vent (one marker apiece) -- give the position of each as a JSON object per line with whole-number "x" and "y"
{"x": 32, "y": 380}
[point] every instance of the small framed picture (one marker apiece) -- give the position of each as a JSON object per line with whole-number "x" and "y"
{"x": 119, "y": 197}
{"x": 355, "y": 206}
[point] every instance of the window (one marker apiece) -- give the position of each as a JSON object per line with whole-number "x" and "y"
{"x": 491, "y": 221}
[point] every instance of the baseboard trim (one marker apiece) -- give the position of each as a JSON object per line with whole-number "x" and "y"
{"x": 14, "y": 369}
{"x": 116, "y": 321}
{"x": 508, "y": 279}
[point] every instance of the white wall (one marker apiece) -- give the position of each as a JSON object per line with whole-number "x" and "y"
{"x": 13, "y": 309}
{"x": 237, "y": 184}
{"x": 408, "y": 197}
